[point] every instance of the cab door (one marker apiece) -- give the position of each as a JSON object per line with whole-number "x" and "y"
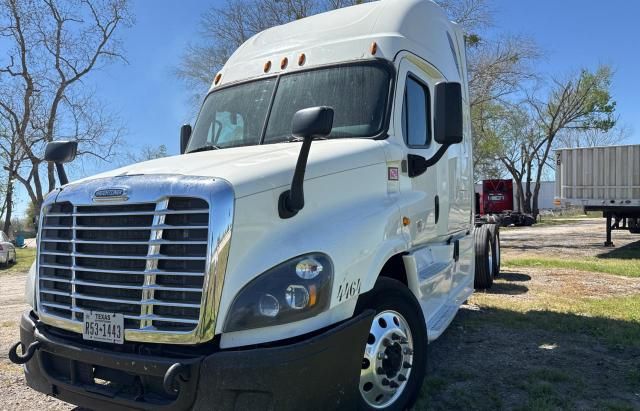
{"x": 414, "y": 112}
{"x": 427, "y": 194}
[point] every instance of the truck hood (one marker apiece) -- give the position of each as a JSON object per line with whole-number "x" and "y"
{"x": 259, "y": 168}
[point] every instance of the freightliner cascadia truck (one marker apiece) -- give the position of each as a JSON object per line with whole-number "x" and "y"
{"x": 314, "y": 235}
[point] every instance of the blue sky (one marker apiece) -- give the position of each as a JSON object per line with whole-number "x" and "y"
{"x": 153, "y": 103}
{"x": 584, "y": 33}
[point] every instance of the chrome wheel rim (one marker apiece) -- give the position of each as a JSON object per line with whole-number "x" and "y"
{"x": 387, "y": 362}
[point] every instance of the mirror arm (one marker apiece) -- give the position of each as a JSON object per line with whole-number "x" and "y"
{"x": 292, "y": 201}
{"x": 438, "y": 155}
{"x": 417, "y": 165}
{"x": 62, "y": 175}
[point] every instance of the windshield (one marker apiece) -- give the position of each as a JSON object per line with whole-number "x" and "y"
{"x": 237, "y": 115}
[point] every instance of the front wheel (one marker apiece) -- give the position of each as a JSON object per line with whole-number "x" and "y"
{"x": 395, "y": 355}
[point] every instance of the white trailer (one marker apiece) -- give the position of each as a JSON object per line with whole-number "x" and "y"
{"x": 603, "y": 179}
{"x": 315, "y": 234}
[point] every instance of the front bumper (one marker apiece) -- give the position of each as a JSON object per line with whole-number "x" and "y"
{"x": 319, "y": 372}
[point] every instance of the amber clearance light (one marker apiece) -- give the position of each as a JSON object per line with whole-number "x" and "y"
{"x": 374, "y": 48}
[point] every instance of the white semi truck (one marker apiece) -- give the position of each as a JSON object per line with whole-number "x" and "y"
{"x": 605, "y": 179}
{"x": 315, "y": 234}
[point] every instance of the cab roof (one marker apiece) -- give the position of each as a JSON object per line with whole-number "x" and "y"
{"x": 347, "y": 34}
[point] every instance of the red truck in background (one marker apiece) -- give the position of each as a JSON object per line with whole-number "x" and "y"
{"x": 495, "y": 204}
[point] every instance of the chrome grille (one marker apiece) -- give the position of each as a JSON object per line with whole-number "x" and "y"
{"x": 146, "y": 261}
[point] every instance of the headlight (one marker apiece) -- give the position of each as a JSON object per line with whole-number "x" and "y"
{"x": 292, "y": 291}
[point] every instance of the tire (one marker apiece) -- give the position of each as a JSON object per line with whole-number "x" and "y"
{"x": 400, "y": 325}
{"x": 494, "y": 230}
{"x": 484, "y": 254}
{"x": 528, "y": 220}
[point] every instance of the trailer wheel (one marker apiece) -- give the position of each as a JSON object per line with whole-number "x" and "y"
{"x": 494, "y": 230}
{"x": 395, "y": 354}
{"x": 528, "y": 220}
{"x": 484, "y": 258}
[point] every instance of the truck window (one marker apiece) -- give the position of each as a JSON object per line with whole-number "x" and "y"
{"x": 416, "y": 114}
{"x": 235, "y": 116}
{"x": 357, "y": 93}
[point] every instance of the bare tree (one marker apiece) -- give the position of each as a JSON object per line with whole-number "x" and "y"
{"x": 11, "y": 156}
{"x": 147, "y": 153}
{"x": 473, "y": 15}
{"x": 580, "y": 103}
{"x": 54, "y": 46}
{"x": 593, "y": 137}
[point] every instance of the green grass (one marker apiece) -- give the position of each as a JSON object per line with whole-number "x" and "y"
{"x": 629, "y": 267}
{"x": 25, "y": 258}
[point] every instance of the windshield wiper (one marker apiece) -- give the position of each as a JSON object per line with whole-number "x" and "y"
{"x": 205, "y": 148}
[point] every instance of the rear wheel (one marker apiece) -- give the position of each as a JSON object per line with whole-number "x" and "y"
{"x": 395, "y": 355}
{"x": 494, "y": 230}
{"x": 484, "y": 258}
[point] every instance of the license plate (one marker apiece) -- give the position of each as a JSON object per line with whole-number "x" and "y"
{"x": 104, "y": 327}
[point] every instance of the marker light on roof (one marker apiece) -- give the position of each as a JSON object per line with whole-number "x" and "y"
{"x": 283, "y": 63}
{"x": 267, "y": 66}
{"x": 374, "y": 48}
{"x": 217, "y": 79}
{"x": 302, "y": 59}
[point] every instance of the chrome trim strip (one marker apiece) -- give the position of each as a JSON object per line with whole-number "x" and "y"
{"x": 101, "y": 270}
{"x": 129, "y": 317}
{"x": 160, "y": 242}
{"x": 128, "y": 257}
{"x": 116, "y": 228}
{"x": 133, "y": 213}
{"x": 125, "y": 286}
{"x": 126, "y": 301}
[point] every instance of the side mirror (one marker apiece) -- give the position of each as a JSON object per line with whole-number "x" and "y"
{"x": 185, "y": 135}
{"x": 447, "y": 122}
{"x": 447, "y": 126}
{"x": 60, "y": 152}
{"x": 312, "y": 122}
{"x": 309, "y": 123}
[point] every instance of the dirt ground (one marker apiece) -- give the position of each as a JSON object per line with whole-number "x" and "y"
{"x": 489, "y": 358}
{"x": 577, "y": 238}
{"x": 14, "y": 395}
